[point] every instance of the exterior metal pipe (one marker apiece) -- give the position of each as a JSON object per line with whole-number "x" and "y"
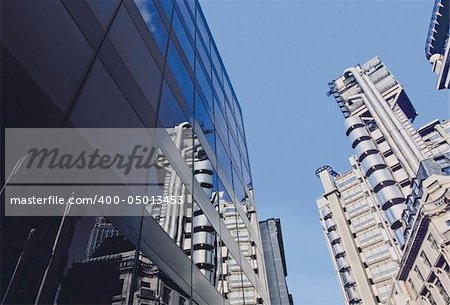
{"x": 178, "y": 141}
{"x": 176, "y": 208}
{"x": 384, "y": 119}
{"x": 417, "y": 153}
{"x": 396, "y": 149}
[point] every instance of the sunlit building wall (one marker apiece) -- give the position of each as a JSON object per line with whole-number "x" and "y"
{"x": 375, "y": 194}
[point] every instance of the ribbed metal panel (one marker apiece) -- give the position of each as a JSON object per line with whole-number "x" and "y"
{"x": 365, "y": 146}
{"x": 379, "y": 74}
{"x": 342, "y": 264}
{"x": 352, "y": 294}
{"x": 200, "y": 221}
{"x": 386, "y": 84}
{"x": 347, "y": 278}
{"x": 203, "y": 165}
{"x": 204, "y": 258}
{"x": 326, "y": 212}
{"x": 204, "y": 178}
{"x": 352, "y": 121}
{"x": 380, "y": 176}
{"x": 333, "y": 236}
{"x": 358, "y": 133}
{"x": 330, "y": 224}
{"x": 390, "y": 195}
{"x": 337, "y": 249}
{"x": 394, "y": 215}
{"x": 372, "y": 161}
{"x": 203, "y": 238}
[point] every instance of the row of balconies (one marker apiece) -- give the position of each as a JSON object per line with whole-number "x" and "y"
{"x": 376, "y": 255}
{"x": 370, "y": 238}
{"x": 339, "y": 254}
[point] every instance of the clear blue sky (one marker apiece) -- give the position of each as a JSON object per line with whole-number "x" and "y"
{"x": 280, "y": 56}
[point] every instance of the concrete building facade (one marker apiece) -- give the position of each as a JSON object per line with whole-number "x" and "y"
{"x": 424, "y": 276}
{"x": 365, "y": 213}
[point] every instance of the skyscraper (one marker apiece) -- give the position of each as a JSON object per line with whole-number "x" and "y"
{"x": 437, "y": 47}
{"x": 364, "y": 212}
{"x": 102, "y": 230}
{"x": 133, "y": 64}
{"x": 276, "y": 269}
{"x": 424, "y": 276}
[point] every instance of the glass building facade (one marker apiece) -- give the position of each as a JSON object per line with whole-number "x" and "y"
{"x": 132, "y": 64}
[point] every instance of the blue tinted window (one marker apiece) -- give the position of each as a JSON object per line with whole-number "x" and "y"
{"x": 204, "y": 120}
{"x": 216, "y": 61}
{"x": 246, "y": 175}
{"x": 186, "y": 17}
{"x": 238, "y": 188}
{"x": 191, "y": 5}
{"x": 223, "y": 160}
{"x": 227, "y": 86}
{"x": 154, "y": 23}
{"x": 180, "y": 73}
{"x": 235, "y": 153}
{"x": 242, "y": 145}
{"x": 184, "y": 39}
{"x": 168, "y": 7}
{"x": 204, "y": 56}
{"x": 201, "y": 24}
{"x": 231, "y": 122}
{"x": 238, "y": 116}
{"x": 170, "y": 113}
{"x": 224, "y": 194}
{"x": 217, "y": 88}
{"x": 204, "y": 83}
{"x": 221, "y": 125}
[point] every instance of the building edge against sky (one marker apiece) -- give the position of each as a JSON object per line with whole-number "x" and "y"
{"x": 437, "y": 47}
{"x": 387, "y": 221}
{"x": 274, "y": 256}
{"x": 133, "y": 64}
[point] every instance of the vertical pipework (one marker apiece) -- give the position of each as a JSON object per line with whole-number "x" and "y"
{"x": 407, "y": 151}
{"x": 203, "y": 236}
{"x": 378, "y": 175}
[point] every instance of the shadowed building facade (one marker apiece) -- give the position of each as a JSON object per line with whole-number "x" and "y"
{"x": 276, "y": 269}
{"x": 132, "y": 64}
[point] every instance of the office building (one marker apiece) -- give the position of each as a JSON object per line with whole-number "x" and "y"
{"x": 133, "y": 64}
{"x": 364, "y": 253}
{"x": 424, "y": 276}
{"x": 276, "y": 269}
{"x": 102, "y": 230}
{"x": 98, "y": 280}
{"x": 437, "y": 46}
{"x": 364, "y": 212}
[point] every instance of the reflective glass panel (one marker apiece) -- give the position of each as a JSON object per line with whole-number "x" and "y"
{"x": 180, "y": 73}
